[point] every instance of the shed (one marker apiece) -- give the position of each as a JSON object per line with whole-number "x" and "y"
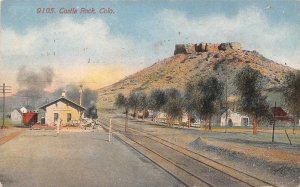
{"x": 280, "y": 114}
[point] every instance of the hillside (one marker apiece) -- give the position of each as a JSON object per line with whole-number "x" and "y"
{"x": 191, "y": 61}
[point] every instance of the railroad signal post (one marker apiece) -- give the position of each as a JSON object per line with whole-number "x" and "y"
{"x": 4, "y": 90}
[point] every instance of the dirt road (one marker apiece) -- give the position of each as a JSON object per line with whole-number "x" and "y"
{"x": 41, "y": 158}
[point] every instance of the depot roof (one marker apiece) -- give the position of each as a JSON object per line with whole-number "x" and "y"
{"x": 63, "y": 99}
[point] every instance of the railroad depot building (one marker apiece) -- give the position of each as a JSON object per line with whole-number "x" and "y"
{"x": 61, "y": 110}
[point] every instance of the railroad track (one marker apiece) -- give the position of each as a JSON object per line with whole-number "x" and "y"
{"x": 191, "y": 168}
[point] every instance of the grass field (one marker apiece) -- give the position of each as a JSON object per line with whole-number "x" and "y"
{"x": 264, "y": 135}
{"x": 7, "y": 122}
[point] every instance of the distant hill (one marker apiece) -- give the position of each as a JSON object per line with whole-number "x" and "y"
{"x": 191, "y": 61}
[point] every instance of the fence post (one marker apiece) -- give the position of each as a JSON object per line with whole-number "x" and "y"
{"x": 109, "y": 131}
{"x": 57, "y": 129}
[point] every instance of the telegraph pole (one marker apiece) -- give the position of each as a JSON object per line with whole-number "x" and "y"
{"x": 4, "y": 89}
{"x": 80, "y": 99}
{"x": 226, "y": 102}
{"x": 274, "y": 121}
{"x": 226, "y": 97}
{"x": 81, "y": 91}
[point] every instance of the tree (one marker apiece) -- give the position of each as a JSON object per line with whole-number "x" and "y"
{"x": 190, "y": 104}
{"x": 291, "y": 94}
{"x": 174, "y": 104}
{"x": 133, "y": 102}
{"x": 122, "y": 102}
{"x": 142, "y": 102}
{"x": 157, "y": 100}
{"x": 202, "y": 97}
{"x": 248, "y": 83}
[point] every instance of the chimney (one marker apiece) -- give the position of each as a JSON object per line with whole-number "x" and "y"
{"x": 63, "y": 94}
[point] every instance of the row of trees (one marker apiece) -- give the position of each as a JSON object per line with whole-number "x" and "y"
{"x": 204, "y": 97}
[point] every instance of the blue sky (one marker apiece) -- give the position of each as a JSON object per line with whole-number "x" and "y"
{"x": 20, "y": 15}
{"x": 138, "y": 34}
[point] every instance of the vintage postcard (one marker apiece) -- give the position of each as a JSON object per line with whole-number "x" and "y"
{"x": 149, "y": 93}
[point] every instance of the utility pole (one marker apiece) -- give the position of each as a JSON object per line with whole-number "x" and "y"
{"x": 5, "y": 89}
{"x": 226, "y": 101}
{"x": 226, "y": 96}
{"x": 81, "y": 91}
{"x": 274, "y": 120}
{"x": 80, "y": 99}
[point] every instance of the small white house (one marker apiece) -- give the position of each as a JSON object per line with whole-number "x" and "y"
{"x": 23, "y": 110}
{"x": 16, "y": 116}
{"x": 161, "y": 117}
{"x": 185, "y": 118}
{"x": 234, "y": 119}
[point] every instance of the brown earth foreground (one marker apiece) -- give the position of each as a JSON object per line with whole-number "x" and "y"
{"x": 268, "y": 154}
{"x": 8, "y": 134}
{"x": 278, "y": 163}
{"x": 260, "y": 150}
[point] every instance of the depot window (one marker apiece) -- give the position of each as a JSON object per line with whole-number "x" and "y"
{"x": 69, "y": 117}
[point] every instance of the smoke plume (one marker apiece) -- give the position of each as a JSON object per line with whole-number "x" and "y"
{"x": 89, "y": 97}
{"x": 33, "y": 82}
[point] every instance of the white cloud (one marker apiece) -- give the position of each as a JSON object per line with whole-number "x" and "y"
{"x": 70, "y": 40}
{"x": 88, "y": 51}
{"x": 77, "y": 51}
{"x": 249, "y": 27}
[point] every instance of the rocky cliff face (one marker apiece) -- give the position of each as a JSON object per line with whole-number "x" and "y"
{"x": 205, "y": 47}
{"x": 192, "y": 61}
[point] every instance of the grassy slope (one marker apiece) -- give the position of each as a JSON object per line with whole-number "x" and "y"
{"x": 177, "y": 70}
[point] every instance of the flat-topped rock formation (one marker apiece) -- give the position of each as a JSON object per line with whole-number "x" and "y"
{"x": 205, "y": 47}
{"x": 194, "y": 61}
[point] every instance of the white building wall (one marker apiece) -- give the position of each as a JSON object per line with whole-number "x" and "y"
{"x": 16, "y": 117}
{"x": 161, "y": 117}
{"x": 235, "y": 117}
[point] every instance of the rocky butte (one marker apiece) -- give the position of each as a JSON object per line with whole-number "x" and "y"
{"x": 194, "y": 61}
{"x": 205, "y": 47}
